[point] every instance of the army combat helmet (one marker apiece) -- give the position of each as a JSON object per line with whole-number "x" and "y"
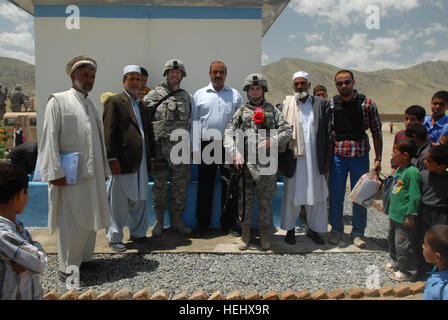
{"x": 255, "y": 79}
{"x": 174, "y": 64}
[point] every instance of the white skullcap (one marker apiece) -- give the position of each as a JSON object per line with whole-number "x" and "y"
{"x": 132, "y": 68}
{"x": 301, "y": 74}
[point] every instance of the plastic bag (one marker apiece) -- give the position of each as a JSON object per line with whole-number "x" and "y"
{"x": 366, "y": 190}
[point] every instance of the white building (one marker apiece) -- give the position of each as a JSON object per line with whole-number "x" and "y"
{"x": 147, "y": 33}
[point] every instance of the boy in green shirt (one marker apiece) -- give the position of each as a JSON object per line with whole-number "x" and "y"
{"x": 404, "y": 203}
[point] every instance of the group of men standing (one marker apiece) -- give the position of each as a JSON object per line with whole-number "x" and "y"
{"x": 134, "y": 138}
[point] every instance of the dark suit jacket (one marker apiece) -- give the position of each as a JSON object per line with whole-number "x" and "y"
{"x": 322, "y": 120}
{"x": 122, "y": 133}
{"x": 322, "y": 111}
{"x": 24, "y": 156}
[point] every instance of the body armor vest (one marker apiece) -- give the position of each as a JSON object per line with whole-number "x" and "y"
{"x": 349, "y": 119}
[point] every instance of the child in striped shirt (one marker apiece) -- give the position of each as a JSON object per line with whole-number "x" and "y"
{"x": 21, "y": 258}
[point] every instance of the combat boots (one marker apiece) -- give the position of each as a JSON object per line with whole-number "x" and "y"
{"x": 265, "y": 238}
{"x": 158, "y": 226}
{"x": 243, "y": 244}
{"x": 178, "y": 225}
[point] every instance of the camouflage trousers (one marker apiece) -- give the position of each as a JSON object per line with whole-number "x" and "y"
{"x": 265, "y": 188}
{"x": 180, "y": 177}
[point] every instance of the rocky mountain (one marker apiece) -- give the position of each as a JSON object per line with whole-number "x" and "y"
{"x": 13, "y": 71}
{"x": 392, "y": 90}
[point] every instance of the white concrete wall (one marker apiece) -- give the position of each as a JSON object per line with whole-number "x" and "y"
{"x": 114, "y": 43}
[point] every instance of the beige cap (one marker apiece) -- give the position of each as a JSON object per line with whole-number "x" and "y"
{"x": 76, "y": 62}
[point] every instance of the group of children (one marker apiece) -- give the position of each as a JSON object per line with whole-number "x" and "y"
{"x": 418, "y": 200}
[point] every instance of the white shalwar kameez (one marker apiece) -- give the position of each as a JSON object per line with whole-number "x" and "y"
{"x": 307, "y": 187}
{"x": 77, "y": 210}
{"x": 128, "y": 196}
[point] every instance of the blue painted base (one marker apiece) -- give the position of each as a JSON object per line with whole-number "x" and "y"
{"x": 36, "y": 211}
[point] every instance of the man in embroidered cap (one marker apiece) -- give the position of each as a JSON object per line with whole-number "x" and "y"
{"x": 126, "y": 131}
{"x": 170, "y": 107}
{"x": 310, "y": 119}
{"x": 78, "y": 205}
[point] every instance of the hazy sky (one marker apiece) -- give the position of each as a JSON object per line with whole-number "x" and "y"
{"x": 345, "y": 33}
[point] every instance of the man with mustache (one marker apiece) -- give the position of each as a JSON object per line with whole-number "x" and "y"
{"x": 78, "y": 211}
{"x": 310, "y": 119}
{"x": 353, "y": 114}
{"x": 213, "y": 108}
{"x": 126, "y": 131}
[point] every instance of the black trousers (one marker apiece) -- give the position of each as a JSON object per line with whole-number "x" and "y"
{"x": 206, "y": 186}
{"x": 402, "y": 247}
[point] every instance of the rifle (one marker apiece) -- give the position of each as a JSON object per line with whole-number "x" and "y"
{"x": 231, "y": 193}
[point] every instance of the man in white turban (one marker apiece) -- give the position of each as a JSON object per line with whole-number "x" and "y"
{"x": 310, "y": 143}
{"x": 78, "y": 205}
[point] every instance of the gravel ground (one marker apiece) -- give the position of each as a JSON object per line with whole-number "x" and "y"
{"x": 245, "y": 272}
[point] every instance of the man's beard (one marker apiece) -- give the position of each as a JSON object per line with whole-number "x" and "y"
{"x": 132, "y": 91}
{"x": 301, "y": 94}
{"x": 84, "y": 87}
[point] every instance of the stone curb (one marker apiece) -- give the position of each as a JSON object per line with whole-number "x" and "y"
{"x": 400, "y": 291}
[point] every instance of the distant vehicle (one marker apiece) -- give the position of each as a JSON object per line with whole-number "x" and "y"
{"x": 27, "y": 121}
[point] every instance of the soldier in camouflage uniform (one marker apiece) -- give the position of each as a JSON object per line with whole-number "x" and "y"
{"x": 18, "y": 99}
{"x": 253, "y": 177}
{"x": 170, "y": 108}
{"x": 3, "y": 96}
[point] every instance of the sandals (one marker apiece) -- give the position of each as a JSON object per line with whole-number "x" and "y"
{"x": 399, "y": 276}
{"x": 389, "y": 267}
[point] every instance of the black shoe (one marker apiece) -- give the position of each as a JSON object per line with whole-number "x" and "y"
{"x": 140, "y": 240}
{"x": 235, "y": 231}
{"x": 290, "y": 237}
{"x": 315, "y": 237}
{"x": 84, "y": 278}
{"x": 118, "y": 247}
{"x": 63, "y": 276}
{"x": 199, "y": 232}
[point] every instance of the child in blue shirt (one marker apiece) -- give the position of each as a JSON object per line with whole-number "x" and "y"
{"x": 435, "y": 250}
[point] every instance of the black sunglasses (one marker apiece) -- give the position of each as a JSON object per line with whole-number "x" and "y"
{"x": 346, "y": 82}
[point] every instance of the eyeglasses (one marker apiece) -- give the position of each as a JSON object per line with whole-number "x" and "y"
{"x": 346, "y": 82}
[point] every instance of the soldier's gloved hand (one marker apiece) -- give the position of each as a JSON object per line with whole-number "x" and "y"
{"x": 238, "y": 161}
{"x": 115, "y": 167}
